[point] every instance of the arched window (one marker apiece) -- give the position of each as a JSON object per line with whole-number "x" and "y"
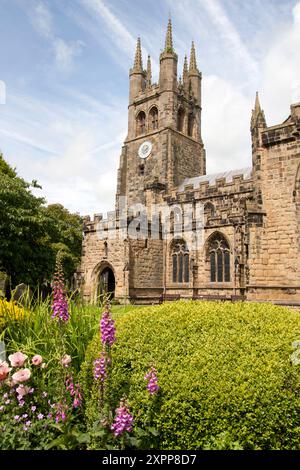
{"x": 141, "y": 123}
{"x": 219, "y": 258}
{"x": 180, "y": 120}
{"x": 191, "y": 125}
{"x": 153, "y": 118}
{"x": 180, "y": 262}
{"x": 209, "y": 210}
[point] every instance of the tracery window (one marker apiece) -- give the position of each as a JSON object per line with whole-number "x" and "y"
{"x": 154, "y": 118}
{"x": 219, "y": 257}
{"x": 141, "y": 123}
{"x": 180, "y": 262}
{"x": 180, "y": 120}
{"x": 191, "y": 125}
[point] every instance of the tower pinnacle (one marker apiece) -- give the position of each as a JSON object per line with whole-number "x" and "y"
{"x": 149, "y": 72}
{"x": 257, "y": 107}
{"x": 138, "y": 61}
{"x": 185, "y": 74}
{"x": 258, "y": 116}
{"x": 169, "y": 38}
{"x": 193, "y": 60}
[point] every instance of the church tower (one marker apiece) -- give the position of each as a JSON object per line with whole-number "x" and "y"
{"x": 164, "y": 144}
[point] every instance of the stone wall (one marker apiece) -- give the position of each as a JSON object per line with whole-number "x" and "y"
{"x": 274, "y": 244}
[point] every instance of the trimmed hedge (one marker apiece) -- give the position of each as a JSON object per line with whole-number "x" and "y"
{"x": 224, "y": 369}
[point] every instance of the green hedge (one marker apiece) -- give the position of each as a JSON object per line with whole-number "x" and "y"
{"x": 224, "y": 370}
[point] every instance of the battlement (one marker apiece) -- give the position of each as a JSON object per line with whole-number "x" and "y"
{"x": 90, "y": 224}
{"x": 214, "y": 185}
{"x": 288, "y": 131}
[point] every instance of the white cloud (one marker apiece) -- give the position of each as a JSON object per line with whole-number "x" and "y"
{"x": 120, "y": 38}
{"x": 64, "y": 52}
{"x": 281, "y": 72}
{"x": 42, "y": 20}
{"x": 71, "y": 148}
{"x": 226, "y": 123}
{"x": 231, "y": 36}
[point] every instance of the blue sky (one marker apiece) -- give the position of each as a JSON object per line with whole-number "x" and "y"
{"x": 65, "y": 67}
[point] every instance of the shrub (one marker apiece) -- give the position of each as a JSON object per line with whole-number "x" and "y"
{"x": 10, "y": 311}
{"x": 225, "y": 376}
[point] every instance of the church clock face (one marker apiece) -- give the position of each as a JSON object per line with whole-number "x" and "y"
{"x": 145, "y": 149}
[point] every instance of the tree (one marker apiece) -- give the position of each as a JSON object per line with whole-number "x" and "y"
{"x": 66, "y": 236}
{"x": 32, "y": 234}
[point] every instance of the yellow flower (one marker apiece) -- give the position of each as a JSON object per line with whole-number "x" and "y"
{"x": 10, "y": 311}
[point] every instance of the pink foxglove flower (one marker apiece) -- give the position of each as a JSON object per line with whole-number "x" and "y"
{"x": 123, "y": 420}
{"x": 151, "y": 377}
{"x": 100, "y": 367}
{"x": 60, "y": 306}
{"x": 21, "y": 376}
{"x": 61, "y": 412}
{"x": 37, "y": 360}
{"x": 4, "y": 370}
{"x": 107, "y": 328}
{"x": 74, "y": 391}
{"x": 17, "y": 359}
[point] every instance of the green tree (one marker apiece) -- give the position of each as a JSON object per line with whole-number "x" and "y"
{"x": 65, "y": 236}
{"x": 25, "y": 252}
{"x": 31, "y": 234}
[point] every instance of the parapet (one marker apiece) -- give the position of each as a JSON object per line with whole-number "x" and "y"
{"x": 288, "y": 131}
{"x": 90, "y": 224}
{"x": 215, "y": 184}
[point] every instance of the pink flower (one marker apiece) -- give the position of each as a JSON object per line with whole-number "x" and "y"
{"x": 107, "y": 328}
{"x": 17, "y": 359}
{"x": 21, "y": 376}
{"x": 123, "y": 420}
{"x": 151, "y": 377}
{"x": 37, "y": 360}
{"x": 4, "y": 370}
{"x": 66, "y": 360}
{"x": 22, "y": 390}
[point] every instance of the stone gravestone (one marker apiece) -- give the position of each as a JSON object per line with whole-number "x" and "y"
{"x": 3, "y": 284}
{"x": 22, "y": 293}
{"x": 2, "y": 351}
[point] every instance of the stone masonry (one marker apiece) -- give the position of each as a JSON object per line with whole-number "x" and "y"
{"x": 250, "y": 219}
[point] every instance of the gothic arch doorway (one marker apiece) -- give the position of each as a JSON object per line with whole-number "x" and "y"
{"x": 106, "y": 283}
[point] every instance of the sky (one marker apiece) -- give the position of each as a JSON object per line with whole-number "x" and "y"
{"x": 64, "y": 82}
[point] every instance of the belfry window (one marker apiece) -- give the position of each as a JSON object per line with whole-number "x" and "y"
{"x": 219, "y": 258}
{"x": 141, "y": 123}
{"x": 180, "y": 262}
{"x": 191, "y": 125}
{"x": 154, "y": 119}
{"x": 180, "y": 120}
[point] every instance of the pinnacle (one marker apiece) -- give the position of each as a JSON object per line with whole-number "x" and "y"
{"x": 138, "y": 62}
{"x": 185, "y": 66}
{"x": 149, "y": 72}
{"x": 258, "y": 115}
{"x": 193, "y": 61}
{"x": 169, "y": 38}
{"x": 257, "y": 103}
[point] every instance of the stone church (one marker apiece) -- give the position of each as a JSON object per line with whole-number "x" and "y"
{"x": 249, "y": 222}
